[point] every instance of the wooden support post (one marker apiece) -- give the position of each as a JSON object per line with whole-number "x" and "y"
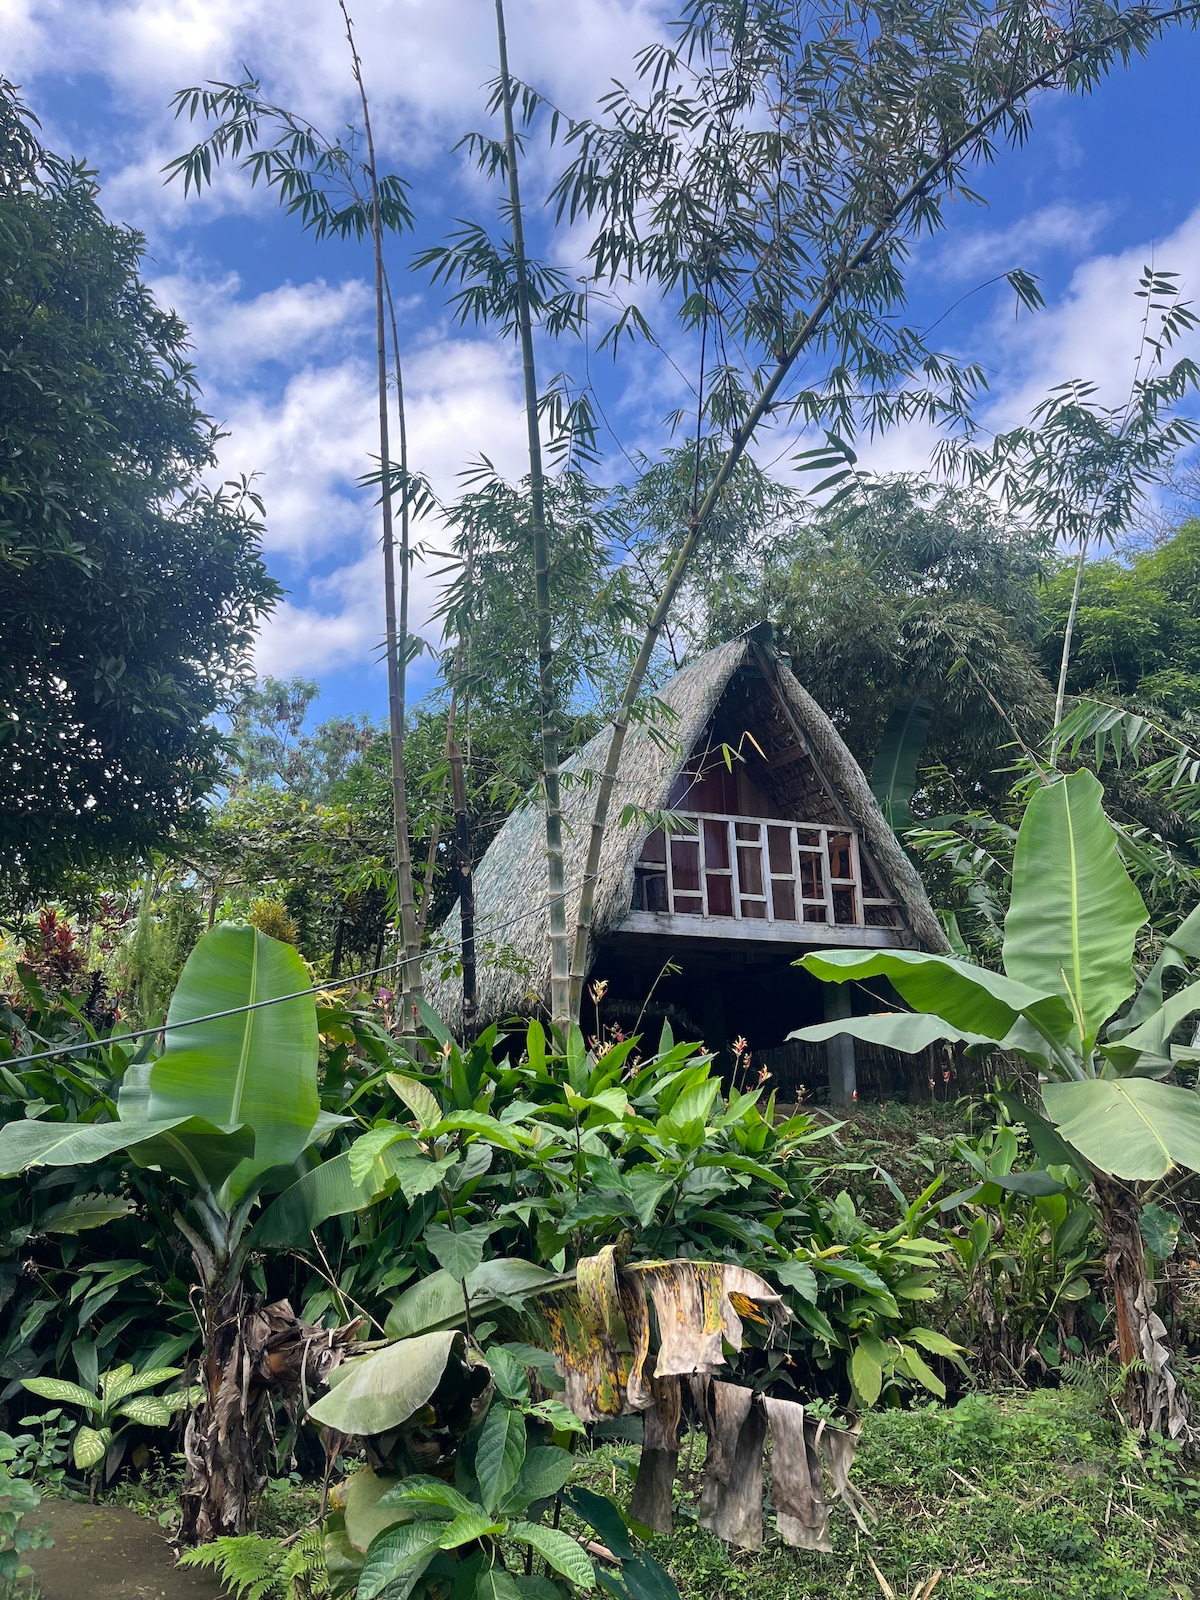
{"x": 839, "y": 1051}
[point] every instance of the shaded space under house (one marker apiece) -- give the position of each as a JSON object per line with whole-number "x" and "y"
{"x": 775, "y": 846}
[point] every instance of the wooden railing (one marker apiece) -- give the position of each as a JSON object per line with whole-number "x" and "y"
{"x": 761, "y": 870}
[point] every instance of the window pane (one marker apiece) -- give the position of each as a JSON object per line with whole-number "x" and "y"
{"x": 814, "y": 913}
{"x": 755, "y": 909}
{"x": 812, "y": 878}
{"x": 688, "y": 905}
{"x": 655, "y": 847}
{"x": 843, "y": 907}
{"x": 750, "y": 869}
{"x": 747, "y": 830}
{"x": 839, "y": 855}
{"x": 779, "y": 848}
{"x": 685, "y": 864}
{"x": 783, "y": 898}
{"x": 720, "y": 895}
{"x": 716, "y": 844}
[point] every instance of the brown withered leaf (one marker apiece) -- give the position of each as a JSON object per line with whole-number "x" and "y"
{"x": 731, "y": 1501}
{"x": 653, "y": 1491}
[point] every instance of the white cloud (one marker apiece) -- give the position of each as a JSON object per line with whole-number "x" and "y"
{"x": 1060, "y": 227}
{"x": 1093, "y": 332}
{"x": 232, "y": 335}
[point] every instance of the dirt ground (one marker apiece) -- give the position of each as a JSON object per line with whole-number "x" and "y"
{"x": 108, "y": 1553}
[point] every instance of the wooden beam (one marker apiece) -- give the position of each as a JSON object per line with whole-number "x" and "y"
{"x": 794, "y": 752}
{"x": 734, "y": 930}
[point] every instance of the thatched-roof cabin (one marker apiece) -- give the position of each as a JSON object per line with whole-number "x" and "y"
{"x": 785, "y": 849}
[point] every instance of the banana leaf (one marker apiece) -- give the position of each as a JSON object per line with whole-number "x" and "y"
{"x": 1075, "y": 912}
{"x": 968, "y": 997}
{"x": 1133, "y": 1128}
{"x": 894, "y": 771}
{"x": 255, "y": 1067}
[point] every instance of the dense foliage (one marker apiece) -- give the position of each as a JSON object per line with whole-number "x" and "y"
{"x": 129, "y": 588}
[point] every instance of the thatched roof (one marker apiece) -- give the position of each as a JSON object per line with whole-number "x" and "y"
{"x": 512, "y": 919}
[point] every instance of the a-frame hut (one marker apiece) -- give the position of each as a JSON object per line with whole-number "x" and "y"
{"x": 786, "y": 849}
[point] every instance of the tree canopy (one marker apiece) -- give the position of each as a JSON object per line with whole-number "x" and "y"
{"x": 129, "y": 586}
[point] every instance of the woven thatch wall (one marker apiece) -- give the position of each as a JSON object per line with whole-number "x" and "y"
{"x": 512, "y": 921}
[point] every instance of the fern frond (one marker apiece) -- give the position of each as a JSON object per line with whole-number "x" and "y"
{"x": 249, "y": 1564}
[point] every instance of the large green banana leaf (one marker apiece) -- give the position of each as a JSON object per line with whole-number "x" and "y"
{"x": 894, "y": 770}
{"x": 1185, "y": 941}
{"x": 909, "y": 1031}
{"x": 968, "y": 997}
{"x": 1154, "y": 1033}
{"x": 327, "y": 1191}
{"x": 1075, "y": 912}
{"x": 255, "y": 1067}
{"x": 374, "y": 1393}
{"x": 71, "y": 1144}
{"x": 1131, "y": 1127}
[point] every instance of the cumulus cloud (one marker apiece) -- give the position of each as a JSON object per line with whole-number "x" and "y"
{"x": 1093, "y": 332}
{"x": 1059, "y": 228}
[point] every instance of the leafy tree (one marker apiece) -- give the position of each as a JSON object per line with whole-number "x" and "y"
{"x": 1083, "y": 469}
{"x": 270, "y": 745}
{"x": 1137, "y": 627}
{"x": 766, "y": 178}
{"x": 1060, "y": 1004}
{"x": 905, "y": 591}
{"x": 129, "y": 591}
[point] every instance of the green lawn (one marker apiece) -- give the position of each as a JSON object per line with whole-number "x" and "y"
{"x": 1041, "y": 1494}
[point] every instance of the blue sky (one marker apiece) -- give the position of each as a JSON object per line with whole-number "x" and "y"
{"x": 283, "y": 326}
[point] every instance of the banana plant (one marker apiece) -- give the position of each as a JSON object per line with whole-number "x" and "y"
{"x": 1068, "y": 1002}
{"x": 120, "y": 1400}
{"x": 229, "y": 1112}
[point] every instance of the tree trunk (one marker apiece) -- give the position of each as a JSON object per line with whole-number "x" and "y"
{"x": 253, "y": 1354}
{"x": 1153, "y": 1400}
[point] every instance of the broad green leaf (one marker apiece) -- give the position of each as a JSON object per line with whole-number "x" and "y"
{"x": 1074, "y": 912}
{"x": 601, "y": 1514}
{"x": 90, "y": 1446}
{"x": 468, "y": 1526}
{"x": 799, "y": 1276}
{"x": 909, "y": 1031}
{"x": 430, "y": 1019}
{"x": 646, "y": 1190}
{"x": 257, "y": 1067}
{"x": 894, "y": 770}
{"x": 129, "y": 1382}
{"x": 1154, "y": 1033}
{"x": 60, "y": 1389}
{"x": 647, "y": 1579}
{"x": 421, "y": 1101}
{"x": 368, "y": 1147}
{"x": 508, "y": 1374}
{"x": 71, "y": 1144}
{"x": 367, "y": 1509}
{"x": 866, "y": 1375}
{"x": 395, "y": 1553}
{"x": 499, "y": 1455}
{"x": 969, "y": 997}
{"x": 421, "y": 1492}
{"x": 1160, "y": 1230}
{"x": 457, "y": 1252}
{"x": 914, "y": 1363}
{"x": 147, "y": 1409}
{"x": 1129, "y": 1127}
{"x": 486, "y": 1127}
{"x": 936, "y": 1343}
{"x": 545, "y": 1471}
{"x": 197, "y": 1152}
{"x": 496, "y": 1584}
{"x": 84, "y": 1211}
{"x": 327, "y": 1191}
{"x": 417, "y": 1176}
{"x": 559, "y": 1549}
{"x": 383, "y": 1390}
{"x": 436, "y": 1301}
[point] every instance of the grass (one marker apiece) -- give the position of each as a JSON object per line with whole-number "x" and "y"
{"x": 1040, "y": 1494}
